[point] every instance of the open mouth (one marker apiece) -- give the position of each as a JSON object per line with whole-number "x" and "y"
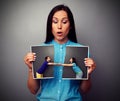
{"x": 59, "y": 33}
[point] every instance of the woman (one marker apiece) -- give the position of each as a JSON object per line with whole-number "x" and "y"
{"x": 60, "y": 33}
{"x": 75, "y": 67}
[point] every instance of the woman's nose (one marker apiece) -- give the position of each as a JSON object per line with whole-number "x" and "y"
{"x": 59, "y": 25}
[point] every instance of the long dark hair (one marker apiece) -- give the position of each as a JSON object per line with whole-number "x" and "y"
{"x": 73, "y": 60}
{"x": 72, "y": 32}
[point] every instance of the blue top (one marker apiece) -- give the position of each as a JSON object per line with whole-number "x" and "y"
{"x": 76, "y": 68}
{"x": 57, "y": 89}
{"x": 43, "y": 67}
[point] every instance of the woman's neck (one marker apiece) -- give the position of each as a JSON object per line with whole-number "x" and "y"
{"x": 61, "y": 41}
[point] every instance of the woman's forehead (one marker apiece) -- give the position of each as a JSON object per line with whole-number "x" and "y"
{"x": 60, "y": 13}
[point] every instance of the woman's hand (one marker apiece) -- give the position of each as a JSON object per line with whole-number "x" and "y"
{"x": 90, "y": 64}
{"x": 28, "y": 59}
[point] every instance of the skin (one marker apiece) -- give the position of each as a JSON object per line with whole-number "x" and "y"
{"x": 51, "y": 63}
{"x": 60, "y": 29}
{"x": 71, "y": 60}
{"x": 70, "y": 64}
{"x": 48, "y": 59}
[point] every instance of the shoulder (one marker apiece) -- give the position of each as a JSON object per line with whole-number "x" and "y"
{"x": 45, "y": 62}
{"x": 74, "y": 64}
{"x": 74, "y": 44}
{"x": 46, "y": 44}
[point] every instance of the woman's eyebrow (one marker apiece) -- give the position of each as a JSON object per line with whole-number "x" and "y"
{"x": 62, "y": 18}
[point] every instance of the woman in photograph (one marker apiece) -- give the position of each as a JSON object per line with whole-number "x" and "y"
{"x": 75, "y": 67}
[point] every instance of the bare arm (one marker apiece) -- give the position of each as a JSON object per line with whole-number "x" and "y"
{"x": 59, "y": 64}
{"x": 52, "y": 63}
{"x": 32, "y": 84}
{"x": 67, "y": 64}
{"x": 86, "y": 84}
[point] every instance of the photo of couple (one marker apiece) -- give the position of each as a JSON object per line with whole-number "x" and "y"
{"x": 73, "y": 65}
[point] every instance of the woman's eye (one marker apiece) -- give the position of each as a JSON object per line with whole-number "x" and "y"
{"x": 55, "y": 21}
{"x": 64, "y": 21}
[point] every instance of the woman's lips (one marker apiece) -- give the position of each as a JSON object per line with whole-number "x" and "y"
{"x": 59, "y": 33}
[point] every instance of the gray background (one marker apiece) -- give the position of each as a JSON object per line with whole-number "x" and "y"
{"x": 23, "y": 23}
